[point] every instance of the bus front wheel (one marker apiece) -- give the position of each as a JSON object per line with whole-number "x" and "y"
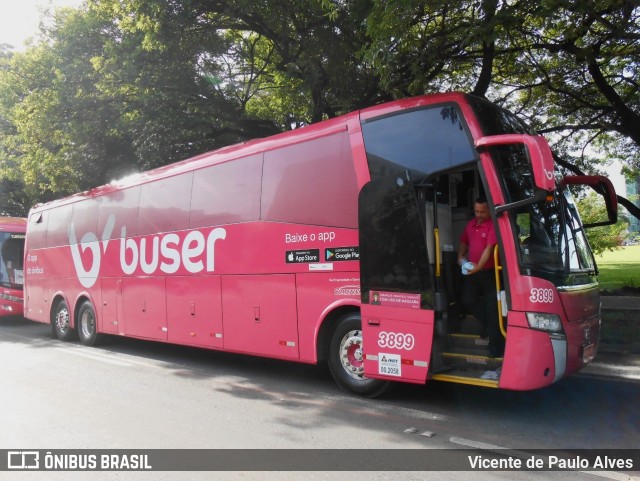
{"x": 87, "y": 328}
{"x": 346, "y": 358}
{"x": 61, "y": 322}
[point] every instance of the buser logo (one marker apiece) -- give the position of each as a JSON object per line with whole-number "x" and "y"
{"x": 192, "y": 251}
{"x": 89, "y": 242}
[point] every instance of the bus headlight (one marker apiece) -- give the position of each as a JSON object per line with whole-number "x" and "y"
{"x": 543, "y": 321}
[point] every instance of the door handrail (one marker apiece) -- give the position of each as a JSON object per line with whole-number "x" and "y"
{"x": 498, "y": 268}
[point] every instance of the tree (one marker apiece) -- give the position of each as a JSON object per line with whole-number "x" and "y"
{"x": 64, "y": 136}
{"x": 570, "y": 68}
{"x": 124, "y": 85}
{"x": 14, "y": 199}
{"x": 420, "y": 47}
{"x": 96, "y": 100}
{"x": 312, "y": 54}
{"x": 121, "y": 86}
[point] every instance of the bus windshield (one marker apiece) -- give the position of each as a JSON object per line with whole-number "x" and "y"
{"x": 552, "y": 241}
{"x": 11, "y": 255}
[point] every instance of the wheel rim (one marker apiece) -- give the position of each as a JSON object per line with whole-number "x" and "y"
{"x": 87, "y": 324}
{"x": 62, "y": 320}
{"x": 351, "y": 355}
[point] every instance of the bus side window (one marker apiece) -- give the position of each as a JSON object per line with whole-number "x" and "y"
{"x": 38, "y": 230}
{"x": 227, "y": 193}
{"x": 57, "y": 229}
{"x": 164, "y": 205}
{"x": 12, "y": 253}
{"x": 311, "y": 182}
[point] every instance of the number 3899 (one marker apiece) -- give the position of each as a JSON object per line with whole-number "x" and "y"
{"x": 396, "y": 340}
{"x": 544, "y": 296}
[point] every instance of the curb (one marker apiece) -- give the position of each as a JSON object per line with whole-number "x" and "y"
{"x": 619, "y": 335}
{"x": 623, "y": 303}
{"x": 629, "y": 373}
{"x": 614, "y": 364}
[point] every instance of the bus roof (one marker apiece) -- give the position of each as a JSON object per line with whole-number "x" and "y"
{"x": 17, "y": 224}
{"x": 255, "y": 146}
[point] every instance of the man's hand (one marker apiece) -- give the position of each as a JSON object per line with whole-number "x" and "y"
{"x": 475, "y": 269}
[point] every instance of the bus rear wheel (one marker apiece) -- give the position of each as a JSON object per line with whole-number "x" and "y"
{"x": 61, "y": 322}
{"x": 87, "y": 328}
{"x": 346, "y": 359}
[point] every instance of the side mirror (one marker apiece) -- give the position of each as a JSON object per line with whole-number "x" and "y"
{"x": 539, "y": 152}
{"x": 602, "y": 186}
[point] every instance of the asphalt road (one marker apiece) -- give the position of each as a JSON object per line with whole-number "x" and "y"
{"x": 131, "y": 394}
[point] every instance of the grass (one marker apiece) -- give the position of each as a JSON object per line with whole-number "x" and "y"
{"x": 619, "y": 269}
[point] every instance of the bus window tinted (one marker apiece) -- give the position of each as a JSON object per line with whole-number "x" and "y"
{"x": 420, "y": 142}
{"x": 11, "y": 255}
{"x": 311, "y": 182}
{"x": 496, "y": 121}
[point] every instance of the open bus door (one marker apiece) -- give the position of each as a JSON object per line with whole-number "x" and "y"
{"x": 397, "y": 298}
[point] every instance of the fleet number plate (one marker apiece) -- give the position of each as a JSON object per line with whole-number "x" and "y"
{"x": 389, "y": 364}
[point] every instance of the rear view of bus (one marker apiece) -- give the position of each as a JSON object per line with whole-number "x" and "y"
{"x": 12, "y": 235}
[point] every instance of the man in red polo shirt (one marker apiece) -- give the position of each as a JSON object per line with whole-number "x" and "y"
{"x": 476, "y": 246}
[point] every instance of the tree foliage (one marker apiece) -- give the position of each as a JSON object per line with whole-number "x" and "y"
{"x": 574, "y": 63}
{"x": 592, "y": 209}
{"x": 569, "y": 68}
{"x": 119, "y": 86}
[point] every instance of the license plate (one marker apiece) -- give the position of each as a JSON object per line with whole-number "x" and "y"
{"x": 588, "y": 353}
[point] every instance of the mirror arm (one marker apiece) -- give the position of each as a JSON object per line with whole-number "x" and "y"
{"x": 602, "y": 186}
{"x": 539, "y": 196}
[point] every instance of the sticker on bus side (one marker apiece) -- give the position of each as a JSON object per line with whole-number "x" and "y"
{"x": 350, "y": 291}
{"x": 389, "y": 364}
{"x": 335, "y": 254}
{"x": 303, "y": 256}
{"x": 327, "y": 266}
{"x": 395, "y": 299}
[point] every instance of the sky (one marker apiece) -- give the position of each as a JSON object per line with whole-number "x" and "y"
{"x": 19, "y": 20}
{"x": 617, "y": 179}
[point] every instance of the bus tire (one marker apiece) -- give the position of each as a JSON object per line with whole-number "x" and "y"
{"x": 86, "y": 323}
{"x": 346, "y": 361}
{"x": 61, "y": 322}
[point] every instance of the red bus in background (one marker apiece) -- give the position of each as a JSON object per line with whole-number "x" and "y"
{"x": 12, "y": 235}
{"x": 334, "y": 242}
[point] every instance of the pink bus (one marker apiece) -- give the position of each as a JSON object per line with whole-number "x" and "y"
{"x": 12, "y": 235}
{"x": 335, "y": 243}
